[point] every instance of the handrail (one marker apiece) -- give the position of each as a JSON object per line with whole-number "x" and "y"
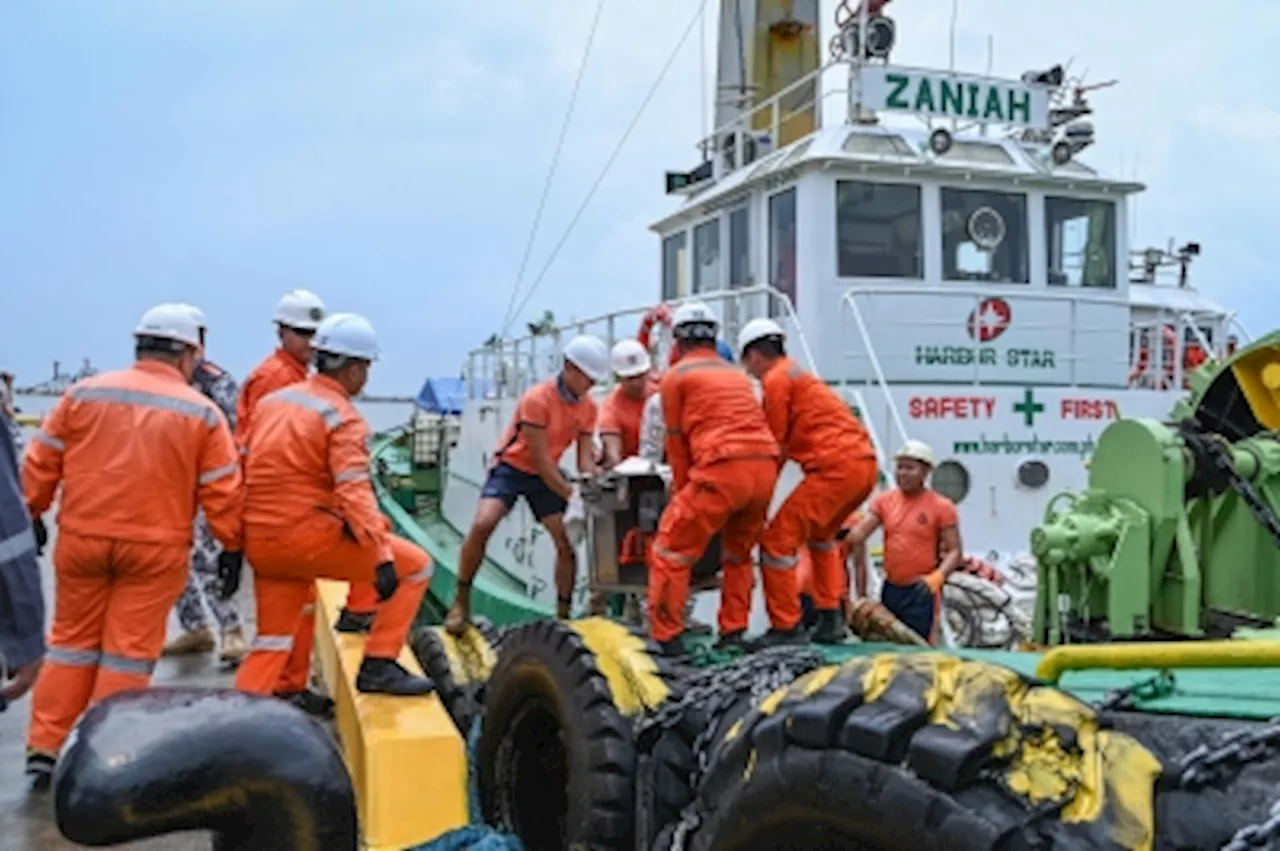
{"x": 847, "y": 299}
{"x": 1158, "y": 654}
{"x": 508, "y": 353}
{"x": 739, "y": 127}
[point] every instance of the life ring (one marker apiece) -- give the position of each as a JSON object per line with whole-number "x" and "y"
{"x": 659, "y": 317}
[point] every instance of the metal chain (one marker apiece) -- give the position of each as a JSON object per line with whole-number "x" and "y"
{"x": 1265, "y": 834}
{"x": 1214, "y": 446}
{"x": 1161, "y": 685}
{"x": 713, "y": 689}
{"x": 1205, "y": 765}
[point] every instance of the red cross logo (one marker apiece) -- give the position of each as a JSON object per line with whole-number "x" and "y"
{"x": 989, "y": 319}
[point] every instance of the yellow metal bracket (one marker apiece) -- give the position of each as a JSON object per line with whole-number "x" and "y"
{"x": 408, "y": 762}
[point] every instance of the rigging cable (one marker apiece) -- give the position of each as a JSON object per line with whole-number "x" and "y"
{"x": 653, "y": 90}
{"x": 555, "y": 161}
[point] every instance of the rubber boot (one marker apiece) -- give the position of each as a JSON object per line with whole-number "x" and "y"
{"x": 188, "y": 643}
{"x": 354, "y": 621}
{"x": 234, "y": 647}
{"x": 40, "y": 770}
{"x": 316, "y": 705}
{"x": 386, "y": 676}
{"x": 673, "y": 648}
{"x": 831, "y": 627}
{"x": 733, "y": 641}
{"x": 778, "y": 637}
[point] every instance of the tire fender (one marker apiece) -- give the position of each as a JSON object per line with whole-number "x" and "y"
{"x": 556, "y": 756}
{"x": 925, "y": 750}
{"x": 459, "y": 665}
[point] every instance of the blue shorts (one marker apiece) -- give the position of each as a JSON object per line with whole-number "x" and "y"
{"x": 912, "y": 604}
{"x": 506, "y": 483}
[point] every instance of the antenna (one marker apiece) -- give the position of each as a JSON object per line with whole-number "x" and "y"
{"x": 955, "y": 12}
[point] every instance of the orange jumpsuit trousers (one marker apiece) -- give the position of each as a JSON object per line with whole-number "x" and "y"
{"x": 113, "y": 601}
{"x": 286, "y": 565}
{"x": 278, "y": 371}
{"x": 730, "y": 496}
{"x": 811, "y": 516}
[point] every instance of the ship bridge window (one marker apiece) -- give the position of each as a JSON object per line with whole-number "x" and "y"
{"x": 877, "y": 145}
{"x": 706, "y": 256}
{"x": 673, "y": 266}
{"x": 878, "y": 230}
{"x": 740, "y": 247}
{"x": 782, "y": 247}
{"x": 984, "y": 236}
{"x": 1080, "y": 238}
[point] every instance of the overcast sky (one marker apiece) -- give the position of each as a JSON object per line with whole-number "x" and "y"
{"x": 390, "y": 155}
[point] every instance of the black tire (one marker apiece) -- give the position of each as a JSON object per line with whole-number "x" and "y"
{"x": 855, "y": 756}
{"x": 557, "y": 757}
{"x": 460, "y": 667}
{"x": 667, "y": 771}
{"x": 664, "y": 774}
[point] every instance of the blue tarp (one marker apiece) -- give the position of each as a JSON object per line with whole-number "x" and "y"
{"x": 447, "y": 395}
{"x": 442, "y": 395}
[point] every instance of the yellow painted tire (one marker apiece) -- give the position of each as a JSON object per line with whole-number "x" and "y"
{"x": 460, "y": 667}
{"x": 924, "y": 751}
{"x": 557, "y": 757}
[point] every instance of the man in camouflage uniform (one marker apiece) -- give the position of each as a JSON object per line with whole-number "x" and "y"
{"x": 201, "y": 596}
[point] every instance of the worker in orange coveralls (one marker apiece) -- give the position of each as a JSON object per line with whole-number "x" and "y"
{"x": 804, "y": 573}
{"x": 817, "y": 430}
{"x": 724, "y": 465}
{"x": 297, "y": 316}
{"x": 136, "y": 451}
{"x": 310, "y": 513}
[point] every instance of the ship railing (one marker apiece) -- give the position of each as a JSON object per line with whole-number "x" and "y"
{"x": 505, "y": 369}
{"x": 1158, "y": 365}
{"x": 1078, "y": 349}
{"x": 741, "y": 133}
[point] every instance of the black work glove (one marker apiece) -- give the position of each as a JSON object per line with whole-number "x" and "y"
{"x": 41, "y": 533}
{"x": 230, "y": 566}
{"x": 385, "y": 581}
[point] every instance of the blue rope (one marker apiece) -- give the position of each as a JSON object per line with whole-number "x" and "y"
{"x": 477, "y": 836}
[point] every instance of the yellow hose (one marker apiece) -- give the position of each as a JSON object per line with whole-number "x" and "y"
{"x": 1179, "y": 654}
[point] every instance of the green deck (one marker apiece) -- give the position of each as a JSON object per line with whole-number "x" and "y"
{"x": 1226, "y": 693}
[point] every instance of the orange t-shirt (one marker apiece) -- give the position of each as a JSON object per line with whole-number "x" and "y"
{"x": 912, "y": 531}
{"x": 549, "y": 406}
{"x": 620, "y": 415}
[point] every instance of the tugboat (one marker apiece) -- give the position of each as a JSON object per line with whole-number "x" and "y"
{"x": 936, "y": 248}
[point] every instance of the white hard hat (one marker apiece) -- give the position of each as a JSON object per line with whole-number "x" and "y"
{"x": 347, "y": 334}
{"x": 590, "y": 355}
{"x": 196, "y": 313}
{"x": 169, "y": 322}
{"x": 916, "y": 450}
{"x": 694, "y": 312}
{"x": 300, "y": 309}
{"x": 630, "y": 359}
{"x": 758, "y": 329}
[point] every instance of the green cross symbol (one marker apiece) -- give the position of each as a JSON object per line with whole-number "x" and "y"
{"x": 1029, "y": 407}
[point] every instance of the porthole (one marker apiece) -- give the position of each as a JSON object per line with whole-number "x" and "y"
{"x": 1033, "y": 474}
{"x": 951, "y": 479}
